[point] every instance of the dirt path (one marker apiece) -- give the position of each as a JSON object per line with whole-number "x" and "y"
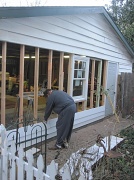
{"x": 86, "y": 137}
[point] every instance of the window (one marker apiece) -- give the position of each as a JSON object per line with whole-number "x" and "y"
{"x": 78, "y": 78}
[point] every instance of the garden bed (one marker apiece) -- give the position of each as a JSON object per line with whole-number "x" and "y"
{"x": 81, "y": 162}
{"x": 119, "y": 168}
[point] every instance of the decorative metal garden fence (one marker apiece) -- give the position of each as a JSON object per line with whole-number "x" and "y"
{"x": 32, "y": 134}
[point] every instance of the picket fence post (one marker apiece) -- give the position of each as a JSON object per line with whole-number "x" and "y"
{"x": 4, "y": 154}
{"x": 12, "y": 161}
{"x": 82, "y": 178}
{"x": 40, "y": 166}
{"x": 4, "y": 162}
{"x": 66, "y": 174}
{"x": 29, "y": 168}
{"x": 20, "y": 164}
{"x": 52, "y": 170}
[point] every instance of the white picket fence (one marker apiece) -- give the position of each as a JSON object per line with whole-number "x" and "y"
{"x": 13, "y": 167}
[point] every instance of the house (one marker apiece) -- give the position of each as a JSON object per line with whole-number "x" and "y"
{"x": 76, "y": 49}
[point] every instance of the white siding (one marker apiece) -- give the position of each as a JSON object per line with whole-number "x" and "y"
{"x": 89, "y": 116}
{"x": 125, "y": 67}
{"x": 89, "y": 35}
{"x": 81, "y": 119}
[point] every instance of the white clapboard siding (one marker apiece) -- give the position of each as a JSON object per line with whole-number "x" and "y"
{"x": 125, "y": 68}
{"x": 81, "y": 42}
{"x": 110, "y": 38}
{"x": 90, "y": 25}
{"x": 106, "y": 35}
{"x": 17, "y": 38}
{"x": 62, "y": 35}
{"x": 85, "y": 34}
{"x": 81, "y": 119}
{"x": 89, "y": 116}
{"x": 69, "y": 33}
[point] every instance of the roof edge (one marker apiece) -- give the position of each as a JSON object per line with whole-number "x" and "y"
{"x": 32, "y": 11}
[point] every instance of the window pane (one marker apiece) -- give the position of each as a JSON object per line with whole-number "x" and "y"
{"x": 80, "y": 65}
{"x": 83, "y": 74}
{"x": 76, "y": 65}
{"x": 77, "y": 87}
{"x": 79, "y": 74}
{"x": 75, "y": 73}
{"x": 84, "y": 65}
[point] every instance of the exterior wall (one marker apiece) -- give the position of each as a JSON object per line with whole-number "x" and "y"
{"x": 90, "y": 35}
{"x": 125, "y": 67}
{"x": 81, "y": 119}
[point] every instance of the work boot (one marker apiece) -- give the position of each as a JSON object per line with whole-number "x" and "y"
{"x": 55, "y": 147}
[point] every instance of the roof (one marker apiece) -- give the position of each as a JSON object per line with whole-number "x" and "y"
{"x": 18, "y": 12}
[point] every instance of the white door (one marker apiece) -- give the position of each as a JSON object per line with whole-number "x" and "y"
{"x": 111, "y": 88}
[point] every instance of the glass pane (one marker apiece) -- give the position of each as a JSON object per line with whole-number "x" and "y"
{"x": 84, "y": 65}
{"x": 76, "y": 65}
{"x": 79, "y": 74}
{"x": 83, "y": 74}
{"x": 75, "y": 73}
{"x": 77, "y": 87}
{"x": 80, "y": 64}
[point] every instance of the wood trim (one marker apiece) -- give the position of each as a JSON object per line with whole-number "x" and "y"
{"x": 21, "y": 82}
{"x": 50, "y": 69}
{"x": 92, "y": 84}
{"x": 84, "y": 105}
{"x": 98, "y": 84}
{"x": 61, "y": 73}
{"x": 3, "y": 83}
{"x": 70, "y": 75}
{"x": 104, "y": 81}
{"x": 36, "y": 79}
